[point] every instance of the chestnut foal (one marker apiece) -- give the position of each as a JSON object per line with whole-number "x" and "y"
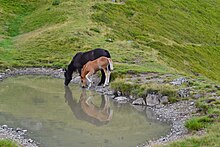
{"x": 92, "y": 67}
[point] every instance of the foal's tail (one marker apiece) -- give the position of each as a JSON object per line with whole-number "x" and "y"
{"x": 110, "y": 64}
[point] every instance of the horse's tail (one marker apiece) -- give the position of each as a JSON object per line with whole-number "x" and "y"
{"x": 110, "y": 64}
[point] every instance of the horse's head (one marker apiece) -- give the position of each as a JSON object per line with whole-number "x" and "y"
{"x": 68, "y": 77}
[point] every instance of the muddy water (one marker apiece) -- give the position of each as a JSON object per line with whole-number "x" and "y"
{"x": 58, "y": 116}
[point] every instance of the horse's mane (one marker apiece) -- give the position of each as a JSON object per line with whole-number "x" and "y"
{"x": 71, "y": 66}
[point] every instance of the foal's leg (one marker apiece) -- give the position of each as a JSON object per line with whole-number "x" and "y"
{"x": 90, "y": 81}
{"x": 88, "y": 75}
{"x": 88, "y": 100}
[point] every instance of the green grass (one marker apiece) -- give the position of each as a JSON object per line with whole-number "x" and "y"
{"x": 185, "y": 33}
{"x": 198, "y": 123}
{"x": 142, "y": 90}
{"x": 212, "y": 138}
{"x": 7, "y": 143}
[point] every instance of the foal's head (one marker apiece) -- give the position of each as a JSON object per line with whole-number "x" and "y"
{"x": 83, "y": 78}
{"x": 84, "y": 82}
{"x": 68, "y": 77}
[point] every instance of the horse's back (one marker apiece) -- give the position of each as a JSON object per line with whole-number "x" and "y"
{"x": 98, "y": 52}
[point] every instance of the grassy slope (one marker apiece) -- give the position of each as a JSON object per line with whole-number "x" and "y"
{"x": 40, "y": 43}
{"x": 186, "y": 34}
{"x": 162, "y": 36}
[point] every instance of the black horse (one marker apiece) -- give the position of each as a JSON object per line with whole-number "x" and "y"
{"x": 80, "y": 59}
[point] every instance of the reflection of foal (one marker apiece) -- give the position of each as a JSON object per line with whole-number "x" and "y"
{"x": 92, "y": 67}
{"x": 85, "y": 110}
{"x": 103, "y": 114}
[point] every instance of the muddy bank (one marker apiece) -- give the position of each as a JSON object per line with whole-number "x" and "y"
{"x": 176, "y": 113}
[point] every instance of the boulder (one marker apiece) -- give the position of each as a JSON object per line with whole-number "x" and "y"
{"x": 153, "y": 99}
{"x": 121, "y": 99}
{"x": 139, "y": 101}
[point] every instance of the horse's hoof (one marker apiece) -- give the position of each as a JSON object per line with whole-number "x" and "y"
{"x": 105, "y": 85}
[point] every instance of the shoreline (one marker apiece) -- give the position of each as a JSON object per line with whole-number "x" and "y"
{"x": 176, "y": 113}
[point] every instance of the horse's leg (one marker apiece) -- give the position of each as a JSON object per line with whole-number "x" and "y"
{"x": 109, "y": 73}
{"x": 106, "y": 77}
{"x": 102, "y": 78}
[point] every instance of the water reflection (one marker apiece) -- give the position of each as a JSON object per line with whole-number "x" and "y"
{"x": 85, "y": 110}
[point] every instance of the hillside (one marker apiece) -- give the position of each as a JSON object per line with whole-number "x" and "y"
{"x": 162, "y": 36}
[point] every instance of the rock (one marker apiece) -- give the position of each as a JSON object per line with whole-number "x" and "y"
{"x": 4, "y": 126}
{"x": 217, "y": 86}
{"x": 192, "y": 103}
{"x": 210, "y": 100}
{"x": 7, "y": 70}
{"x": 99, "y": 89}
{"x": 184, "y": 92}
{"x": 139, "y": 101}
{"x": 121, "y": 99}
{"x": 30, "y": 141}
{"x": 108, "y": 92}
{"x": 18, "y": 129}
{"x": 118, "y": 93}
{"x": 164, "y": 100}
{"x": 197, "y": 95}
{"x": 153, "y": 99}
{"x": 179, "y": 81}
{"x": 76, "y": 79}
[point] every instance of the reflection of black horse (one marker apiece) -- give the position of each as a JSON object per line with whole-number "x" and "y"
{"x": 80, "y": 59}
{"x": 85, "y": 110}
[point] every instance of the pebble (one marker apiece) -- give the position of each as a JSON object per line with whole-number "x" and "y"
{"x": 4, "y": 126}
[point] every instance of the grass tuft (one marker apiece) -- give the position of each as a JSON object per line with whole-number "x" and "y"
{"x": 8, "y": 143}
